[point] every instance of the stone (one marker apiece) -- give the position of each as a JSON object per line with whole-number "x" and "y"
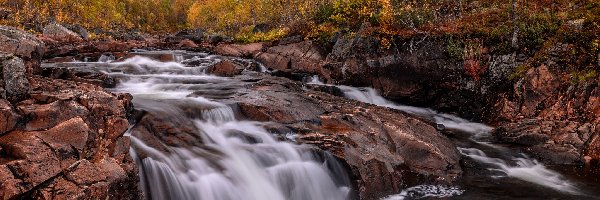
{"x": 80, "y": 30}
{"x": 225, "y": 68}
{"x": 215, "y": 39}
{"x": 196, "y": 35}
{"x": 71, "y": 144}
{"x": 60, "y": 33}
{"x": 239, "y": 50}
{"x": 304, "y": 57}
{"x": 20, "y": 43}
{"x": 186, "y": 43}
{"x": 8, "y": 117}
{"x": 16, "y": 85}
{"x": 44, "y": 116}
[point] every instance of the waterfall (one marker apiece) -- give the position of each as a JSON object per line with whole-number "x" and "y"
{"x": 238, "y": 159}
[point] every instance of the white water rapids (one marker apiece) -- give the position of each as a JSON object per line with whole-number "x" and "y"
{"x": 519, "y": 166}
{"x": 242, "y": 160}
{"x": 250, "y": 162}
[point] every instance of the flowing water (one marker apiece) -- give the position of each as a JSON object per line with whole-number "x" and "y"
{"x": 242, "y": 160}
{"x": 502, "y": 163}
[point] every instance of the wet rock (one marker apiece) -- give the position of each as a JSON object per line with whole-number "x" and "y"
{"x": 527, "y": 133}
{"x": 60, "y": 33}
{"x": 386, "y": 150}
{"x": 225, "y": 68}
{"x": 15, "y": 83}
{"x": 556, "y": 142}
{"x": 159, "y": 128}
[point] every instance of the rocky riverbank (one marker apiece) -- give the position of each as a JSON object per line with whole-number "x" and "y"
{"x": 60, "y": 137}
{"x": 61, "y": 131}
{"x": 549, "y": 111}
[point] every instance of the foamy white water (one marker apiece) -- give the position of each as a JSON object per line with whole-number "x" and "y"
{"x": 249, "y": 163}
{"x": 524, "y": 168}
{"x": 426, "y": 191}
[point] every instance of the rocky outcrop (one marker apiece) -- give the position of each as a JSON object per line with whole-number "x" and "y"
{"x": 238, "y": 50}
{"x": 386, "y": 150}
{"x": 59, "y": 138}
{"x": 60, "y": 33}
{"x": 419, "y": 71}
{"x": 555, "y": 118}
{"x": 546, "y": 109}
{"x": 68, "y": 143}
{"x": 23, "y": 45}
{"x": 304, "y": 57}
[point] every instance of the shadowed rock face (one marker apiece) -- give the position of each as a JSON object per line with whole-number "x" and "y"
{"x": 422, "y": 73}
{"x": 385, "y": 149}
{"x": 557, "y": 120}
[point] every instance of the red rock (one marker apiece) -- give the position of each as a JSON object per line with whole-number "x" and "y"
{"x": 72, "y": 133}
{"x": 45, "y": 116}
{"x": 237, "y": 50}
{"x": 186, "y": 43}
{"x": 8, "y": 117}
{"x": 302, "y": 57}
{"x": 385, "y": 149}
{"x": 225, "y": 68}
{"x": 20, "y": 43}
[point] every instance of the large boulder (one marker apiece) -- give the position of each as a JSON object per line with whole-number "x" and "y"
{"x": 385, "y": 150}
{"x": 14, "y": 84}
{"x": 60, "y": 33}
{"x": 304, "y": 57}
{"x": 239, "y": 50}
{"x": 23, "y": 45}
{"x": 225, "y": 68}
{"x": 20, "y": 43}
